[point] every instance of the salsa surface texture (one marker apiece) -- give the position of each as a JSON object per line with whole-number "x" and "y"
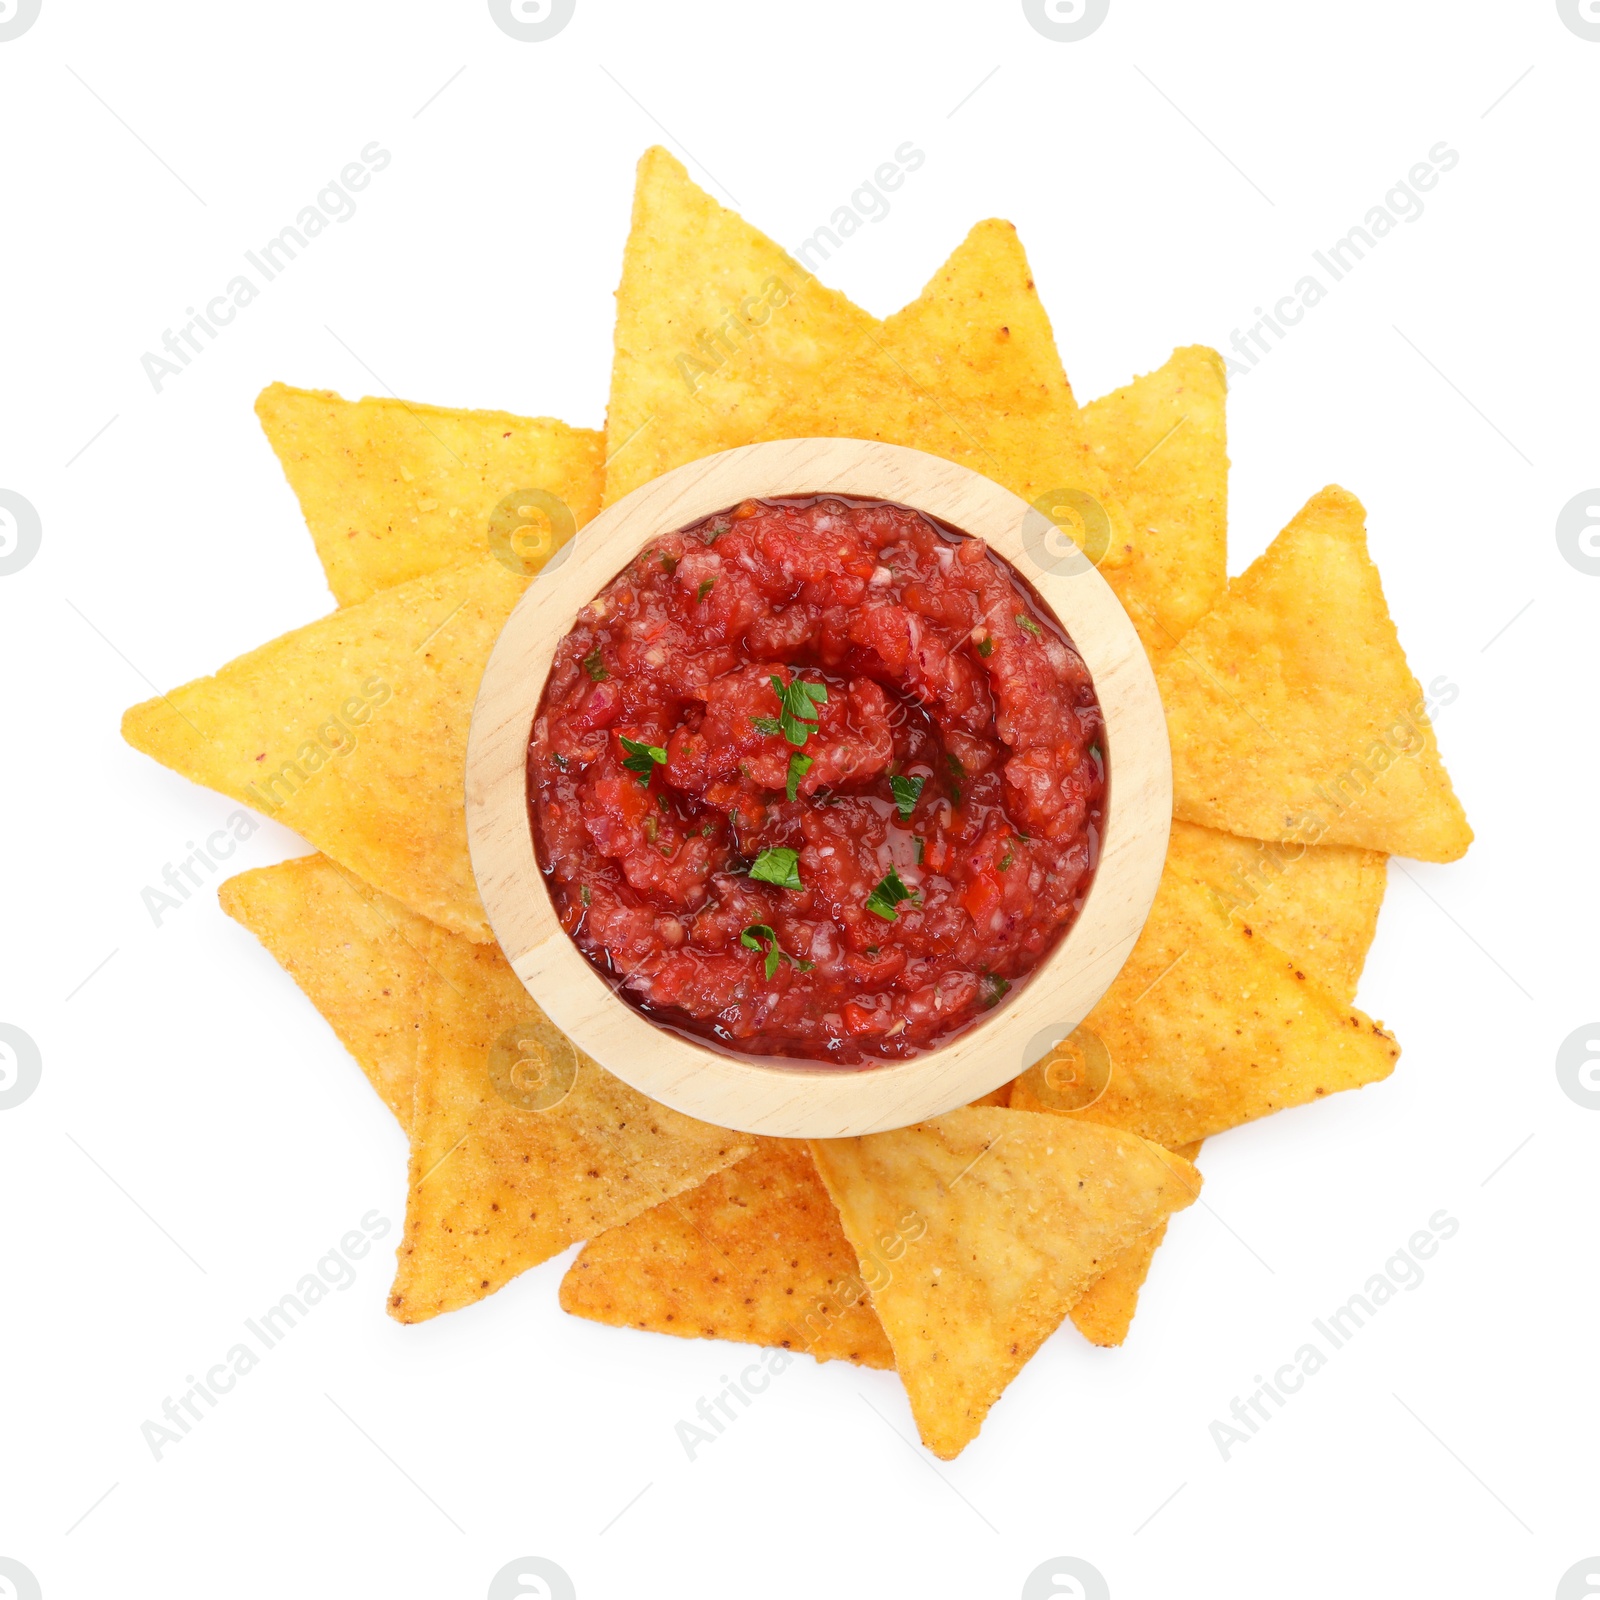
{"x": 817, "y": 778}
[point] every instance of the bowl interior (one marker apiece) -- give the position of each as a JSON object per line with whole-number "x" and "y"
{"x": 778, "y": 1096}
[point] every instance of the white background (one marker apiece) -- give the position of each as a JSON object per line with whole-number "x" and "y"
{"x": 199, "y": 1139}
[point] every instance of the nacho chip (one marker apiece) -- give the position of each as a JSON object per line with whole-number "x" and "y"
{"x": 723, "y": 339}
{"x": 1207, "y": 1026}
{"x": 1317, "y": 903}
{"x": 391, "y": 489}
{"x": 520, "y": 1143}
{"x": 978, "y": 338}
{"x": 1104, "y": 1312}
{"x": 358, "y": 955}
{"x": 1292, "y": 711}
{"x": 755, "y": 1254}
{"x": 977, "y": 1230}
{"x": 353, "y": 732}
{"x": 1162, "y": 443}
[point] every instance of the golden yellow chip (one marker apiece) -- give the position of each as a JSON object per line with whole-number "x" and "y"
{"x": 1103, "y": 1313}
{"x": 978, "y": 338}
{"x": 391, "y": 489}
{"x": 723, "y": 339}
{"x": 755, "y": 1254}
{"x": 353, "y": 732}
{"x": 1162, "y": 443}
{"x": 1292, "y": 711}
{"x": 976, "y": 1232}
{"x": 1207, "y": 1026}
{"x": 359, "y": 956}
{"x": 1317, "y": 903}
{"x": 520, "y": 1143}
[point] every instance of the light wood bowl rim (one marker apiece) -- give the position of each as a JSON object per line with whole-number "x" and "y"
{"x": 769, "y": 1096}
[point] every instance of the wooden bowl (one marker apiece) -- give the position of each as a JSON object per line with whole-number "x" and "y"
{"x": 785, "y": 1098}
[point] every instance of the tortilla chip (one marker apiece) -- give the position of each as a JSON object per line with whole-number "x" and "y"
{"x": 977, "y": 1230}
{"x": 1317, "y": 903}
{"x": 724, "y": 339}
{"x": 1292, "y": 712}
{"x": 1105, "y": 1310}
{"x": 1209, "y": 1025}
{"x": 1162, "y": 443}
{"x": 358, "y": 955}
{"x": 391, "y": 489}
{"x": 719, "y": 333}
{"x": 979, "y": 338}
{"x": 353, "y": 732}
{"x": 755, "y": 1254}
{"x": 521, "y": 1144}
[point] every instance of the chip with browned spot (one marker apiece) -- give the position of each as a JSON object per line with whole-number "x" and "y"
{"x": 353, "y": 732}
{"x": 1208, "y": 1025}
{"x": 521, "y": 1144}
{"x": 391, "y": 489}
{"x": 977, "y": 1231}
{"x": 724, "y": 339}
{"x": 359, "y": 955}
{"x": 755, "y": 1254}
{"x": 1162, "y": 443}
{"x": 1292, "y": 711}
{"x": 1104, "y": 1311}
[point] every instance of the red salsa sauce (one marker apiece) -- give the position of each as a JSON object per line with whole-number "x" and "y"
{"x": 817, "y": 778}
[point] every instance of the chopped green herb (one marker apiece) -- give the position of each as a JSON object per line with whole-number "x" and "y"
{"x": 798, "y": 702}
{"x": 706, "y": 586}
{"x": 661, "y": 799}
{"x": 651, "y": 829}
{"x": 994, "y": 990}
{"x": 1006, "y": 859}
{"x": 669, "y": 564}
{"x": 707, "y": 831}
{"x": 751, "y": 939}
{"x": 954, "y": 764}
{"x": 559, "y": 759}
{"x": 906, "y": 793}
{"x": 716, "y": 531}
{"x": 887, "y": 894}
{"x": 781, "y": 867}
{"x": 584, "y": 895}
{"x": 986, "y": 648}
{"x": 918, "y": 842}
{"x": 1028, "y": 625}
{"x": 799, "y": 766}
{"x": 642, "y": 758}
{"x": 872, "y": 952}
{"x": 595, "y": 667}
{"x": 767, "y": 725}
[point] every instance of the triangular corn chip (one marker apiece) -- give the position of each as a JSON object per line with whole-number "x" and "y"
{"x": 979, "y": 339}
{"x": 1104, "y": 1311}
{"x": 520, "y": 1144}
{"x": 989, "y": 1224}
{"x": 1317, "y": 903}
{"x": 1208, "y": 1026}
{"x": 1292, "y": 712}
{"x": 391, "y": 489}
{"x": 720, "y": 334}
{"x": 723, "y": 339}
{"x": 359, "y": 955}
{"x": 353, "y": 732}
{"x": 755, "y": 1254}
{"x": 1162, "y": 443}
